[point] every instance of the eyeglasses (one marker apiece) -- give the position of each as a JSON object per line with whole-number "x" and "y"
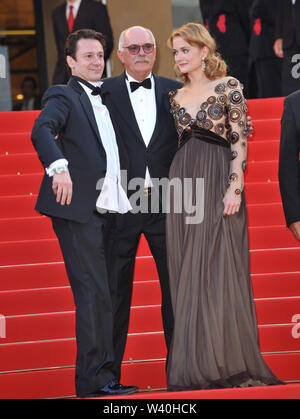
{"x": 135, "y": 49}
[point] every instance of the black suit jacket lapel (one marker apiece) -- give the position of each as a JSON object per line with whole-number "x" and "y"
{"x": 63, "y": 20}
{"x": 87, "y": 107}
{"x": 121, "y": 102}
{"x": 81, "y": 17}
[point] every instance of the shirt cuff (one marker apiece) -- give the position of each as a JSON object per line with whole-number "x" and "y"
{"x": 57, "y": 163}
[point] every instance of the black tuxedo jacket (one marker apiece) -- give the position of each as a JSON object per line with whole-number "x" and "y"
{"x": 67, "y": 111}
{"x": 289, "y": 167}
{"x": 288, "y": 23}
{"x": 263, "y": 31}
{"x": 91, "y": 15}
{"x": 234, "y": 39}
{"x": 163, "y": 144}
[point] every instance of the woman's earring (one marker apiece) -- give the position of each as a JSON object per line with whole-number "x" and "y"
{"x": 203, "y": 65}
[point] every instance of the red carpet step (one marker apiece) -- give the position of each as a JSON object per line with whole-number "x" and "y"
{"x": 37, "y": 356}
{"x": 39, "y": 228}
{"x": 144, "y": 346}
{"x": 15, "y": 142}
{"x": 144, "y": 319}
{"x": 20, "y": 122}
{"x": 258, "y": 214}
{"x": 265, "y": 214}
{"x": 266, "y": 130}
{"x": 52, "y": 275}
{"x": 28, "y": 163}
{"x": 262, "y": 171}
{"x": 14, "y": 164}
{"x": 290, "y": 391}
{"x": 258, "y": 150}
{"x": 28, "y": 184}
{"x": 10, "y": 206}
{"x": 150, "y": 375}
{"x": 265, "y": 109}
{"x": 47, "y": 251}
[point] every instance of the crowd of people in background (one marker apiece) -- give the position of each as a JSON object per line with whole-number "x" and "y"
{"x": 258, "y": 39}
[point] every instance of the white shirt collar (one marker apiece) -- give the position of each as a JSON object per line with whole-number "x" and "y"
{"x": 75, "y": 5}
{"x": 96, "y": 83}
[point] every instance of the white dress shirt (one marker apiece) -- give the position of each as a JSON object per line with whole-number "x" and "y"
{"x": 112, "y": 196}
{"x": 75, "y": 5}
{"x": 143, "y": 102}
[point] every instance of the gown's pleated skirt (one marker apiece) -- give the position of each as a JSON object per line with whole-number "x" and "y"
{"x": 215, "y": 340}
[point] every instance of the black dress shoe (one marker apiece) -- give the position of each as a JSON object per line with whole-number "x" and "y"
{"x": 113, "y": 388}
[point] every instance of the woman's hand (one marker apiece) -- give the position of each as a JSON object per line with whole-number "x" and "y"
{"x": 232, "y": 202}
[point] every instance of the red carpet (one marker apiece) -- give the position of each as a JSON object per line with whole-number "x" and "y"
{"x": 38, "y": 354}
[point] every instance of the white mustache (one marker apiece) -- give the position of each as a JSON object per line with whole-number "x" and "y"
{"x": 141, "y": 60}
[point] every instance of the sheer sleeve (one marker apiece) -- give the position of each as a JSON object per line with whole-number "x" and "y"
{"x": 237, "y": 135}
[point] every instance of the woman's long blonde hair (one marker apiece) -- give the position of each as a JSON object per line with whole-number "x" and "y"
{"x": 197, "y": 35}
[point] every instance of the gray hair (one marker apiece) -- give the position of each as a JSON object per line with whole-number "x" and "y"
{"x": 124, "y": 33}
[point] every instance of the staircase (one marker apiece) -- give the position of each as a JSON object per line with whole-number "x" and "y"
{"x": 37, "y": 347}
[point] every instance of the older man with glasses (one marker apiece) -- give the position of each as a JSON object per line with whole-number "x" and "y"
{"x": 139, "y": 106}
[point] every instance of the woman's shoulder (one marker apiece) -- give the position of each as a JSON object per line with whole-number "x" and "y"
{"x": 229, "y": 81}
{"x": 227, "y": 86}
{"x": 178, "y": 93}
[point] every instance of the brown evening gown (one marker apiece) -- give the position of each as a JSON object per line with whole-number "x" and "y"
{"x": 215, "y": 340}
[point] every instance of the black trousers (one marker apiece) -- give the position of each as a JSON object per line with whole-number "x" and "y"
{"x": 124, "y": 240}
{"x": 82, "y": 246}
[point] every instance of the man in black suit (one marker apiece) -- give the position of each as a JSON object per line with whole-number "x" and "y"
{"x": 229, "y": 24}
{"x": 289, "y": 166}
{"x": 142, "y": 115}
{"x": 84, "y": 152}
{"x": 74, "y": 15}
{"x": 264, "y": 64}
{"x": 287, "y": 43}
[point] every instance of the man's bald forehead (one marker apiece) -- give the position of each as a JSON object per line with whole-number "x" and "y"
{"x": 135, "y": 30}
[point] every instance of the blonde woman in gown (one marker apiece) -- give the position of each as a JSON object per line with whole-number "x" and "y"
{"x": 215, "y": 340}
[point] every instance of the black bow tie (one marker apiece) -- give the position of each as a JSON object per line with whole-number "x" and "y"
{"x": 96, "y": 90}
{"x": 145, "y": 83}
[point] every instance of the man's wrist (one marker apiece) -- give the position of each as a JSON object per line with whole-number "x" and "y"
{"x": 60, "y": 169}
{"x": 58, "y": 166}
